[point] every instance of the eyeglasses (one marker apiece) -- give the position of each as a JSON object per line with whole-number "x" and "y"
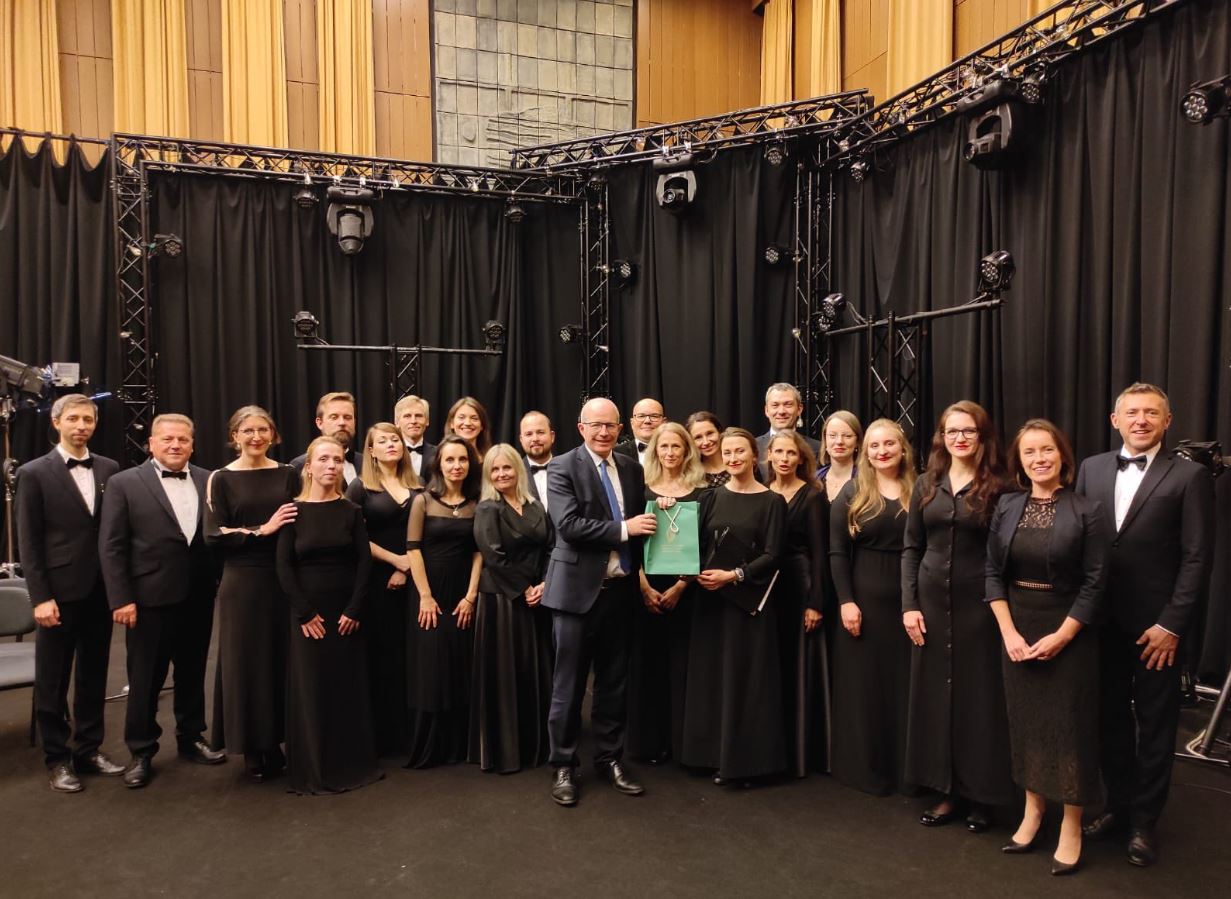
{"x": 602, "y": 425}
{"x": 253, "y": 432}
{"x": 967, "y": 433}
{"x": 648, "y": 416}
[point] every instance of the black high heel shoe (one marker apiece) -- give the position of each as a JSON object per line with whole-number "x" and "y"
{"x": 1059, "y": 868}
{"x": 1015, "y": 848}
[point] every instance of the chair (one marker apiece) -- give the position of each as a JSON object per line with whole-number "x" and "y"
{"x": 17, "y": 659}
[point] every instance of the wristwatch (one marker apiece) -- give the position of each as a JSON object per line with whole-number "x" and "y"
{"x": 739, "y": 575}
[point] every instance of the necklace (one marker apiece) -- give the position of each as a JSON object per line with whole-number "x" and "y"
{"x": 454, "y": 508}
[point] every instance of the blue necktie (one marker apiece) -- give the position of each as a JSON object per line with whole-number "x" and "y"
{"x": 613, "y": 503}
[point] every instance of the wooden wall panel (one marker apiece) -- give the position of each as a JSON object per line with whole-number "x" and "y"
{"x": 203, "y": 24}
{"x": 303, "y": 113}
{"x": 86, "y": 67}
{"x": 977, "y": 22}
{"x": 696, "y": 58}
{"x": 402, "y": 69}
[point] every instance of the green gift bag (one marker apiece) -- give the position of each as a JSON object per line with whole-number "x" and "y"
{"x": 674, "y": 548}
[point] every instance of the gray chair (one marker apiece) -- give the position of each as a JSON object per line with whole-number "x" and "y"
{"x": 17, "y": 659}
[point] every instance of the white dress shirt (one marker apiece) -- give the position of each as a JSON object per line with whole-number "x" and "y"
{"x": 613, "y": 560}
{"x": 641, "y": 452}
{"x": 416, "y": 457}
{"x": 540, "y": 480}
{"x": 182, "y": 493}
{"x": 83, "y": 477}
{"x": 1128, "y": 480}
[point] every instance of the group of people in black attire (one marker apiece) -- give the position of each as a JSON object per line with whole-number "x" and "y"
{"x": 999, "y": 622}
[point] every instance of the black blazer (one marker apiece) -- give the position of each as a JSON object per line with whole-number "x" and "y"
{"x": 429, "y": 453}
{"x": 586, "y": 534}
{"x": 514, "y": 556}
{"x": 531, "y": 486}
{"x": 145, "y": 558}
{"x": 56, "y": 533}
{"x": 1074, "y": 558}
{"x": 628, "y": 448}
{"x": 1158, "y": 564}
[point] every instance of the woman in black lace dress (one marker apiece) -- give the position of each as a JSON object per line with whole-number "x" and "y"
{"x": 1045, "y": 586}
{"x": 445, "y": 564}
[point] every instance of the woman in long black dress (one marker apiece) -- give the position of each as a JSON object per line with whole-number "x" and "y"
{"x": 800, "y": 596}
{"x": 445, "y": 564}
{"x": 733, "y": 700}
{"x": 871, "y": 664}
{"x": 384, "y": 489}
{"x": 1045, "y": 585}
{"x": 511, "y": 693}
{"x": 957, "y": 736}
{"x": 658, "y": 652}
{"x": 323, "y": 562}
{"x": 248, "y": 502}
{"x": 706, "y": 432}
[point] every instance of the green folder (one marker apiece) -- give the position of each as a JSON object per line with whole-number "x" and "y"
{"x": 674, "y": 547}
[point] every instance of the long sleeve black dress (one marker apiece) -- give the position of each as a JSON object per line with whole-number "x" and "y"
{"x": 384, "y": 625}
{"x": 250, "y": 680}
{"x": 871, "y": 673}
{"x": 511, "y": 691}
{"x": 733, "y": 692}
{"x": 323, "y": 563}
{"x": 957, "y": 736}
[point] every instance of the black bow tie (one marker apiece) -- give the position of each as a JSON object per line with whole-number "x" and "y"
{"x": 641, "y": 447}
{"x": 178, "y": 475}
{"x": 1123, "y": 462}
{"x": 415, "y": 449}
{"x": 87, "y": 462}
{"x": 535, "y": 469}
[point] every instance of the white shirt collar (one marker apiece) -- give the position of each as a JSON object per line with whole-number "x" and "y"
{"x": 65, "y": 455}
{"x": 1149, "y": 454}
{"x": 598, "y": 460}
{"x": 158, "y": 465}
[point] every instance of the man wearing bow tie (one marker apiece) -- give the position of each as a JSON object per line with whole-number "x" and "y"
{"x": 412, "y": 416}
{"x": 161, "y": 582}
{"x": 647, "y": 416}
{"x": 1158, "y": 511}
{"x": 58, "y": 503}
{"x": 537, "y": 439}
{"x": 335, "y": 417}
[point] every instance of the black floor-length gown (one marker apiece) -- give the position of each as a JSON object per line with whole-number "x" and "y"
{"x": 511, "y": 692}
{"x": 733, "y": 692}
{"x": 384, "y": 625}
{"x": 957, "y": 736}
{"x": 439, "y": 659}
{"x": 323, "y": 563}
{"x": 871, "y": 672}
{"x": 658, "y": 668}
{"x": 805, "y": 664}
{"x": 250, "y": 679}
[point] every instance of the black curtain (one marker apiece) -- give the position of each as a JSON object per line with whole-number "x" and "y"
{"x": 434, "y": 271}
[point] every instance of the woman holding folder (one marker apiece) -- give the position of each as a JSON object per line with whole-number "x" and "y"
{"x": 733, "y": 694}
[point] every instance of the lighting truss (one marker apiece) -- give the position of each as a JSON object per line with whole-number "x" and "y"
{"x": 595, "y": 231}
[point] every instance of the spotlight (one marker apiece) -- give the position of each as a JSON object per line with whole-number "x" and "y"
{"x": 677, "y": 183}
{"x": 775, "y": 254}
{"x": 1205, "y": 101}
{"x": 991, "y": 139}
{"x": 306, "y": 325}
{"x": 514, "y": 213}
{"x": 996, "y": 271}
{"x": 161, "y": 245}
{"x": 1032, "y": 88}
{"x": 305, "y": 198}
{"x": 775, "y": 153}
{"x": 493, "y": 335}
{"x": 830, "y": 311}
{"x": 860, "y": 170}
{"x": 349, "y": 217}
{"x": 570, "y": 333}
{"x": 623, "y": 273}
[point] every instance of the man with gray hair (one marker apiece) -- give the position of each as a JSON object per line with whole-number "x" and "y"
{"x": 783, "y": 407}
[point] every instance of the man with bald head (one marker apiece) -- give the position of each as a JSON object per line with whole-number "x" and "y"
{"x": 647, "y": 416}
{"x": 594, "y": 497}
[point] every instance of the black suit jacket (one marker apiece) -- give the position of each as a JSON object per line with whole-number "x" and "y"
{"x": 627, "y": 448}
{"x": 1074, "y": 555}
{"x": 1158, "y": 563}
{"x": 56, "y": 532}
{"x": 586, "y": 533}
{"x": 531, "y": 486}
{"x": 145, "y": 558}
{"x": 429, "y": 453}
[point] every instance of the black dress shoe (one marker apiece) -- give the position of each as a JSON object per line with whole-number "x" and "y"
{"x": 614, "y": 773}
{"x": 138, "y": 773}
{"x": 1105, "y": 825}
{"x": 978, "y": 820}
{"x": 720, "y": 781}
{"x": 63, "y": 780}
{"x": 932, "y": 818}
{"x": 200, "y": 753}
{"x": 564, "y": 787}
{"x": 1143, "y": 847}
{"x": 98, "y": 763}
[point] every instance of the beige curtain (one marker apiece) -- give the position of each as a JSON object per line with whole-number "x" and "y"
{"x": 825, "y": 41}
{"x": 30, "y": 66}
{"x": 920, "y": 41}
{"x": 776, "y": 70}
{"x": 347, "y": 92}
{"x": 151, "y": 67}
{"x": 254, "y": 73}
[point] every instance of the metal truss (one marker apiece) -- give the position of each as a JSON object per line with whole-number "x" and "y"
{"x": 813, "y": 220}
{"x": 764, "y": 124}
{"x": 403, "y": 362}
{"x": 594, "y": 230}
{"x": 1029, "y": 50}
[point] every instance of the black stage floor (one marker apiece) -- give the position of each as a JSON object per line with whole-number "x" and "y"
{"x": 200, "y": 831}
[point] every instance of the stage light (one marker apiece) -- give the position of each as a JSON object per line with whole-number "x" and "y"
{"x": 493, "y": 335}
{"x": 305, "y": 198}
{"x": 860, "y": 169}
{"x": 1207, "y": 100}
{"x": 164, "y": 245}
{"x": 677, "y": 183}
{"x": 775, "y": 153}
{"x": 349, "y": 217}
{"x": 306, "y": 325}
{"x": 991, "y": 138}
{"x": 570, "y": 333}
{"x": 996, "y": 270}
{"x": 623, "y": 273}
{"x": 514, "y": 213}
{"x": 828, "y": 314}
{"x": 776, "y": 254}
{"x": 1032, "y": 87}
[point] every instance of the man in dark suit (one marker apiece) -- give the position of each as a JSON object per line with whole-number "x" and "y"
{"x": 412, "y": 416}
{"x": 1158, "y": 511}
{"x": 591, "y": 589}
{"x": 647, "y": 416}
{"x": 58, "y": 503}
{"x": 335, "y": 417}
{"x": 783, "y": 406}
{"x": 537, "y": 439}
{"x": 161, "y": 582}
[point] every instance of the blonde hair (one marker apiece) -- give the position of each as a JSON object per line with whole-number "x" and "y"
{"x": 305, "y": 476}
{"x": 370, "y": 473}
{"x": 489, "y": 490}
{"x": 335, "y": 397}
{"x": 250, "y": 412}
{"x": 691, "y": 472}
{"x": 851, "y": 421}
{"x": 867, "y": 501}
{"x": 412, "y": 400}
{"x": 171, "y": 418}
{"x": 1142, "y": 387}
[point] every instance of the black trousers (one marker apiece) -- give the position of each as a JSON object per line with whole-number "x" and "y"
{"x": 1140, "y": 715}
{"x": 176, "y": 634}
{"x": 83, "y": 636}
{"x": 599, "y": 638}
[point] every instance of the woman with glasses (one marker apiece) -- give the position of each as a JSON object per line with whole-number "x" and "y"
{"x": 840, "y": 439}
{"x": 247, "y": 503}
{"x": 957, "y": 739}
